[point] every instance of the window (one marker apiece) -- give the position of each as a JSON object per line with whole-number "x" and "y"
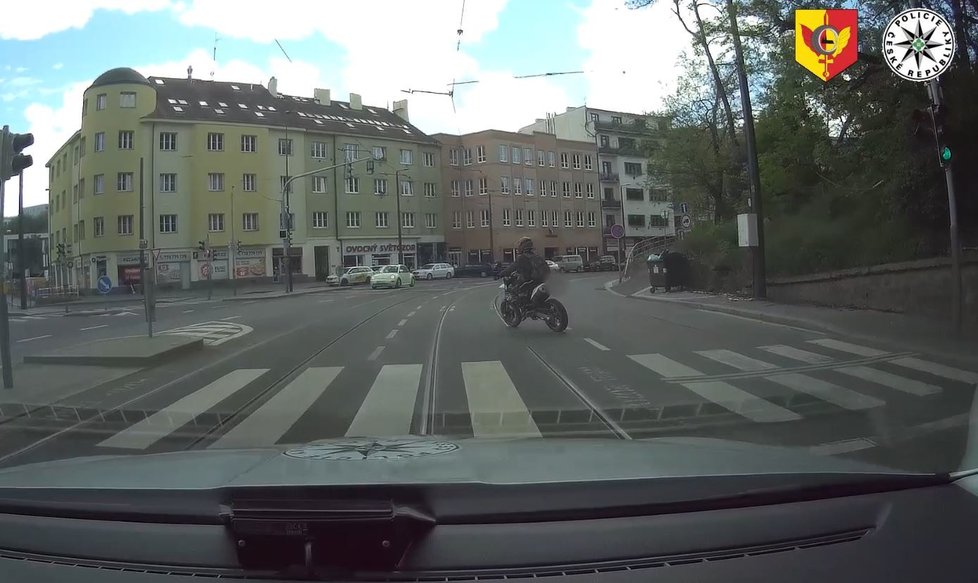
{"x": 215, "y": 142}
{"x": 553, "y": 188}
{"x": 589, "y": 190}
{"x": 568, "y": 219}
{"x": 453, "y": 156}
{"x": 168, "y": 141}
{"x": 319, "y": 150}
{"x": 588, "y": 162}
{"x": 551, "y": 157}
{"x": 320, "y": 220}
{"x": 470, "y": 219}
{"x": 484, "y": 217}
{"x": 565, "y": 189}
{"x": 124, "y": 182}
{"x": 636, "y": 220}
{"x": 531, "y": 218}
{"x": 543, "y": 219}
{"x": 350, "y": 152}
{"x": 215, "y": 222}
{"x": 428, "y": 159}
{"x": 517, "y": 185}
{"x": 215, "y": 181}
{"x": 506, "y": 217}
{"x": 457, "y": 219}
{"x": 594, "y": 116}
{"x": 99, "y": 183}
{"x": 455, "y": 188}
{"x": 577, "y": 161}
{"x": 503, "y": 153}
{"x": 633, "y": 169}
{"x": 407, "y": 220}
{"x": 468, "y": 187}
{"x": 353, "y": 219}
{"x": 604, "y": 141}
{"x": 124, "y": 225}
{"x": 504, "y": 184}
{"x": 592, "y": 221}
{"x": 658, "y": 221}
{"x": 249, "y": 221}
{"x": 480, "y": 154}
{"x": 319, "y": 184}
{"x": 249, "y": 143}
{"x": 563, "y": 160}
{"x": 580, "y": 219}
{"x": 634, "y": 194}
{"x": 379, "y": 152}
{"x": 430, "y": 189}
{"x": 248, "y": 182}
{"x": 616, "y": 119}
{"x": 529, "y": 186}
{"x": 407, "y": 188}
{"x": 541, "y": 158}
{"x": 431, "y": 220}
{"x": 81, "y": 188}
{"x": 125, "y": 140}
{"x": 127, "y": 99}
{"x": 74, "y": 193}
{"x": 467, "y": 157}
{"x": 517, "y": 155}
{"x": 483, "y": 186}
{"x": 578, "y": 193}
{"x": 519, "y": 216}
{"x": 353, "y": 185}
{"x": 100, "y": 101}
{"x": 168, "y": 223}
{"x": 84, "y": 107}
{"x": 98, "y": 226}
{"x": 380, "y": 186}
{"x": 407, "y": 157}
{"x": 658, "y": 194}
{"x": 84, "y": 147}
{"x": 528, "y": 156}
{"x": 284, "y": 147}
{"x": 168, "y": 182}
{"x": 380, "y": 220}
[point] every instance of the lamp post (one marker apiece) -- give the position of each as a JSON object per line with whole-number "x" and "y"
{"x": 397, "y": 196}
{"x": 232, "y": 251}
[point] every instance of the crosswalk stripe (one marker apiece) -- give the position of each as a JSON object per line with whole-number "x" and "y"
{"x": 722, "y": 393}
{"x": 389, "y": 406}
{"x": 797, "y": 354}
{"x": 881, "y": 377}
{"x": 948, "y": 372}
{"x": 848, "y": 347}
{"x": 495, "y": 406}
{"x": 167, "y": 420}
{"x": 830, "y": 392}
{"x": 270, "y": 422}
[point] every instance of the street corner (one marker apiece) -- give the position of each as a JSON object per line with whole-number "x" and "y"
{"x": 132, "y": 351}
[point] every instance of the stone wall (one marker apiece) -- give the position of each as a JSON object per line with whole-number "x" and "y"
{"x": 917, "y": 287}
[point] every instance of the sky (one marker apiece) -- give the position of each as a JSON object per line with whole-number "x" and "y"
{"x": 51, "y": 50}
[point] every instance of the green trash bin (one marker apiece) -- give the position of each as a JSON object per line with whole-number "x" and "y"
{"x": 657, "y": 272}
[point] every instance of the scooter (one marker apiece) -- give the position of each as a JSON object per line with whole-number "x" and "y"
{"x": 513, "y": 308}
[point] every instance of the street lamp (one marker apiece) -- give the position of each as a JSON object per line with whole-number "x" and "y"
{"x": 397, "y": 195}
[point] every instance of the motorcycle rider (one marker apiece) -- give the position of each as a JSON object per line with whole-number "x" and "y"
{"x": 529, "y": 268}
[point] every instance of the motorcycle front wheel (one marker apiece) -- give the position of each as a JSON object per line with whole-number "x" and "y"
{"x": 510, "y": 314}
{"x": 556, "y": 315}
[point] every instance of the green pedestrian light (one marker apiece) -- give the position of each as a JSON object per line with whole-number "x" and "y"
{"x": 945, "y": 154}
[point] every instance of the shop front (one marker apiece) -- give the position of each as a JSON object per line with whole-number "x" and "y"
{"x": 128, "y": 272}
{"x": 173, "y": 269}
{"x": 250, "y": 262}
{"x": 382, "y": 252}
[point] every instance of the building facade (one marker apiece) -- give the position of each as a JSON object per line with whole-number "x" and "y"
{"x": 176, "y": 162}
{"x": 500, "y": 186}
{"x": 629, "y": 195}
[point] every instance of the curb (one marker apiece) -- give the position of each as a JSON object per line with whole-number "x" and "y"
{"x": 280, "y": 295}
{"x": 120, "y": 361}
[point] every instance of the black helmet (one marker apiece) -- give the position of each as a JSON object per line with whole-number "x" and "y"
{"x": 524, "y": 244}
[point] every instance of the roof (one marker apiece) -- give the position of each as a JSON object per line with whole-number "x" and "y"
{"x": 119, "y": 76}
{"x": 248, "y": 103}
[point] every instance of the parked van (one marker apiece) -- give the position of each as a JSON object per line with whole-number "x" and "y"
{"x": 569, "y": 263}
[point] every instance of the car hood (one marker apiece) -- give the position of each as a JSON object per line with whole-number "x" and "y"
{"x": 414, "y": 460}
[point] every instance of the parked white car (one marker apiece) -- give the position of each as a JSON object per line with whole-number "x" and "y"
{"x": 351, "y": 276}
{"x": 553, "y": 266}
{"x": 435, "y": 271}
{"x": 392, "y": 276}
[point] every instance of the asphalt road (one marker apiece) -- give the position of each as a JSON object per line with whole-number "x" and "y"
{"x": 436, "y": 359}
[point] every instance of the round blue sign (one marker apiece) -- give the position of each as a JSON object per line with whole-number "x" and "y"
{"x": 617, "y": 231}
{"x": 104, "y": 284}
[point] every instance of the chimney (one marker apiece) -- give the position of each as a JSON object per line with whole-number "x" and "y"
{"x": 190, "y": 72}
{"x": 273, "y": 86}
{"x": 401, "y": 109}
{"x": 321, "y": 96}
{"x": 356, "y": 102}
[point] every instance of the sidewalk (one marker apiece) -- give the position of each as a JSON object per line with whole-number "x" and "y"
{"x": 133, "y": 351}
{"x": 902, "y": 331}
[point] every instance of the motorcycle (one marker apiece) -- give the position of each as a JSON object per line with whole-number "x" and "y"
{"x": 517, "y": 305}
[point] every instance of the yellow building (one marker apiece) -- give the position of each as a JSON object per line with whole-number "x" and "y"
{"x": 209, "y": 159}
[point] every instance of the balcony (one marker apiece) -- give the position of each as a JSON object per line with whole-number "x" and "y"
{"x": 639, "y": 126}
{"x": 621, "y": 150}
{"x": 609, "y": 177}
{"x": 611, "y": 203}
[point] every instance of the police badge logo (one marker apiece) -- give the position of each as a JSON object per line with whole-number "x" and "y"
{"x": 918, "y": 44}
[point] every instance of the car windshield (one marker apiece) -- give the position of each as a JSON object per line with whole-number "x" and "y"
{"x": 757, "y": 222}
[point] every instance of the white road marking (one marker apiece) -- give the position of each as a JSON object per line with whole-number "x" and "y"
{"x": 167, "y": 420}
{"x": 418, "y": 308}
{"x": 736, "y": 360}
{"x": 230, "y": 318}
{"x": 496, "y": 407}
{"x": 845, "y": 446}
{"x": 270, "y": 422}
{"x": 596, "y": 344}
{"x": 948, "y": 372}
{"x": 124, "y": 314}
{"x": 33, "y": 318}
{"x": 389, "y": 405}
{"x": 848, "y": 347}
{"x": 411, "y": 314}
{"x": 376, "y": 353}
{"x": 881, "y": 377}
{"x": 325, "y": 301}
{"x": 189, "y": 311}
{"x": 34, "y": 338}
{"x": 722, "y": 393}
{"x": 392, "y": 334}
{"x": 797, "y": 354}
{"x": 94, "y": 327}
{"x": 401, "y": 323}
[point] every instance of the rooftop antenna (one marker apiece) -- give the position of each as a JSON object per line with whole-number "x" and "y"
{"x": 190, "y": 72}
{"x": 214, "y": 57}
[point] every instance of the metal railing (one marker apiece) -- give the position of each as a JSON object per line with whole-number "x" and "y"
{"x": 642, "y": 249}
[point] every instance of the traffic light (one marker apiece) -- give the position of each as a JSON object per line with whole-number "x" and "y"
{"x": 201, "y": 245}
{"x": 14, "y": 161}
{"x": 930, "y": 126}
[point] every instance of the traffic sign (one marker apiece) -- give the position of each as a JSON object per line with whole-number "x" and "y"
{"x": 617, "y": 231}
{"x": 687, "y": 222}
{"x": 104, "y": 284}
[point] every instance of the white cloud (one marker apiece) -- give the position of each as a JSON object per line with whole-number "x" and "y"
{"x": 57, "y": 66}
{"x": 38, "y": 18}
{"x": 633, "y": 53}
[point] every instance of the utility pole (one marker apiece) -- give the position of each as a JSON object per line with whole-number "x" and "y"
{"x": 397, "y": 195}
{"x": 20, "y": 240}
{"x": 143, "y": 272}
{"x": 754, "y": 201}
{"x": 232, "y": 248}
{"x": 8, "y": 367}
